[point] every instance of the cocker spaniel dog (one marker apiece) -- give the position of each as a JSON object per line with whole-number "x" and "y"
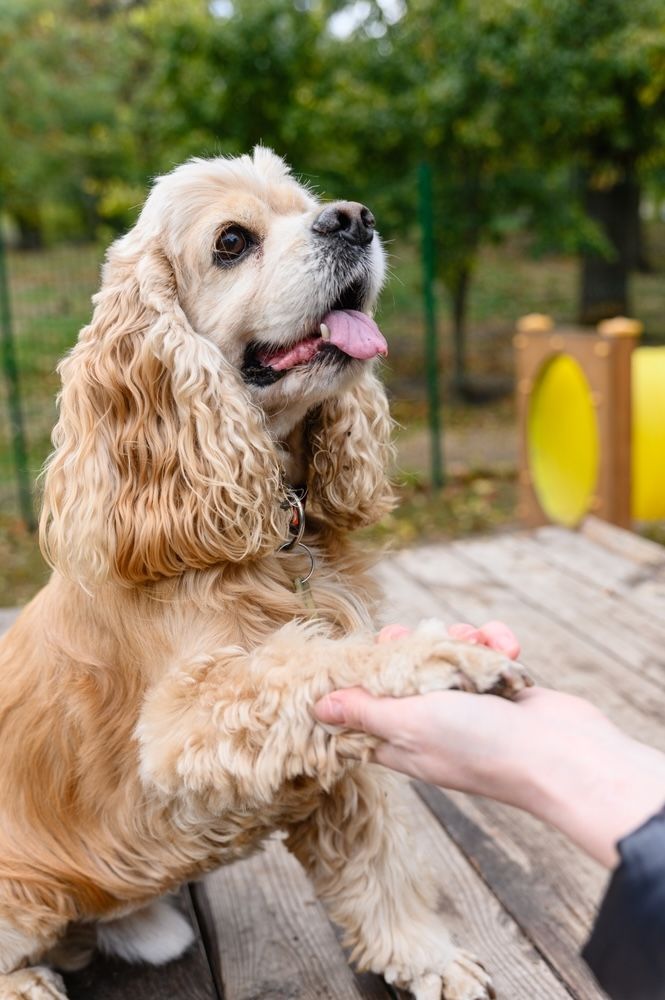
{"x": 156, "y": 696}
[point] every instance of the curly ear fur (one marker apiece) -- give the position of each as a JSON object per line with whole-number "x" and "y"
{"x": 161, "y": 461}
{"x": 351, "y": 452}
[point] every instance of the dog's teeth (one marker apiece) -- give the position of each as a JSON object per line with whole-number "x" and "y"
{"x": 325, "y": 332}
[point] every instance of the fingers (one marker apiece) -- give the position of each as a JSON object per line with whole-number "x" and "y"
{"x": 356, "y": 709}
{"x": 494, "y": 634}
{"x": 390, "y": 632}
{"x": 465, "y": 633}
{"x": 498, "y": 636}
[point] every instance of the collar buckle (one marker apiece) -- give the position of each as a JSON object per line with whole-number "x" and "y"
{"x": 295, "y": 501}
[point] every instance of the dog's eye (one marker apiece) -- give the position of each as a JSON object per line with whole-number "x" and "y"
{"x": 232, "y": 244}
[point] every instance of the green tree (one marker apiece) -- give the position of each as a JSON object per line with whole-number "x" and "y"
{"x": 225, "y": 77}
{"x": 60, "y": 73}
{"x": 526, "y": 110}
{"x": 600, "y": 71}
{"x": 447, "y": 83}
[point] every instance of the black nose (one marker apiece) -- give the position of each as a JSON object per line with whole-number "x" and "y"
{"x": 348, "y": 219}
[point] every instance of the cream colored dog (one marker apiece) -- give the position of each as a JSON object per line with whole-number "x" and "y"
{"x": 155, "y": 697}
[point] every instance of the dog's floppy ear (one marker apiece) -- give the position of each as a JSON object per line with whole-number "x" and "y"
{"x": 351, "y": 452}
{"x": 161, "y": 461}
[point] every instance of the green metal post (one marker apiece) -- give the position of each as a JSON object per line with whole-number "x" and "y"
{"x": 429, "y": 301}
{"x": 10, "y": 369}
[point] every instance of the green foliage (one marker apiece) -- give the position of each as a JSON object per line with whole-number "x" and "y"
{"x": 61, "y": 73}
{"x": 511, "y": 102}
{"x": 508, "y": 101}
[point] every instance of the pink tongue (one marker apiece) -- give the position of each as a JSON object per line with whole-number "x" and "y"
{"x": 355, "y": 334}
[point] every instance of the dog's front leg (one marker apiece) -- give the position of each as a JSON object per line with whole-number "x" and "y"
{"x": 235, "y": 726}
{"x": 360, "y": 849}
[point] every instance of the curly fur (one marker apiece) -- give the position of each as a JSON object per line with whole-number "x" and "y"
{"x": 155, "y": 697}
{"x": 162, "y": 463}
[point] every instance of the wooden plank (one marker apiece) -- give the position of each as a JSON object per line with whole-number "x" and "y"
{"x": 477, "y": 920}
{"x": 605, "y": 359}
{"x": 557, "y": 926}
{"x": 625, "y": 543}
{"x": 642, "y": 583}
{"x": 188, "y": 978}
{"x": 442, "y": 581}
{"x": 615, "y": 627}
{"x": 272, "y": 937}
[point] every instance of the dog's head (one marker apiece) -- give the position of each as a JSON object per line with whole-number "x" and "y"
{"x": 232, "y": 318}
{"x": 259, "y": 266}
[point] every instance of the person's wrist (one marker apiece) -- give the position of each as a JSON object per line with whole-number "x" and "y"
{"x": 600, "y": 793}
{"x": 523, "y": 780}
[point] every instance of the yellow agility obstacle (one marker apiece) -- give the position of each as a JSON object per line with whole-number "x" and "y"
{"x": 591, "y": 409}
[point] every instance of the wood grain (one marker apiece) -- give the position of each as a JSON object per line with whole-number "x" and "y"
{"x": 453, "y": 582}
{"x": 632, "y": 547}
{"x": 605, "y": 360}
{"x": 585, "y": 607}
{"x": 619, "y": 631}
{"x": 478, "y": 921}
{"x": 272, "y": 937}
{"x": 640, "y": 582}
{"x": 535, "y": 878}
{"x": 549, "y": 887}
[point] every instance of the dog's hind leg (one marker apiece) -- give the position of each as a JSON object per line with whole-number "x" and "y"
{"x": 360, "y": 850}
{"x": 156, "y": 934}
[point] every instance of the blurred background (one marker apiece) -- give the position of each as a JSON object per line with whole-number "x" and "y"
{"x": 513, "y": 153}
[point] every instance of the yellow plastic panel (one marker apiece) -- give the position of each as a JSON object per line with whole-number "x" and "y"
{"x": 648, "y": 377}
{"x": 563, "y": 441}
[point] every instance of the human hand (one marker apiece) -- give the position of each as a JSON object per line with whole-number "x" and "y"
{"x": 552, "y": 754}
{"x": 418, "y": 740}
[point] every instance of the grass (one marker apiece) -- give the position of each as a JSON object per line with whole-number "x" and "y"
{"x": 469, "y": 504}
{"x": 51, "y": 300}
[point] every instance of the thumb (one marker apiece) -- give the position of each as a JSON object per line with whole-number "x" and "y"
{"x": 356, "y": 709}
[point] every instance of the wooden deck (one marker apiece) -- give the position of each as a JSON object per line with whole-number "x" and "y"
{"x": 589, "y": 610}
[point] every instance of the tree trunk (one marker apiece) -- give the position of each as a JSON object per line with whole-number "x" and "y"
{"x": 30, "y": 236}
{"x": 604, "y": 287}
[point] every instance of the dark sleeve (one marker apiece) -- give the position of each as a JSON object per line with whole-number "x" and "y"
{"x": 626, "y": 950}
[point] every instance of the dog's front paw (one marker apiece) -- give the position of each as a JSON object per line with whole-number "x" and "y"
{"x": 477, "y": 668}
{"x": 38, "y": 983}
{"x": 463, "y": 978}
{"x": 487, "y": 672}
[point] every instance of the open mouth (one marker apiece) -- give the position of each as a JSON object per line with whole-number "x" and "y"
{"x": 343, "y": 334}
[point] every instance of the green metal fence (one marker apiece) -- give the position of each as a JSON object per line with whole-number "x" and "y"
{"x": 44, "y": 301}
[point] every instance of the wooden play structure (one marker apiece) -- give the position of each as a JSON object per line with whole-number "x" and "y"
{"x": 591, "y": 411}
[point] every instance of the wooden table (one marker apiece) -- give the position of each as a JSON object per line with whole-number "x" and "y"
{"x": 589, "y": 610}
